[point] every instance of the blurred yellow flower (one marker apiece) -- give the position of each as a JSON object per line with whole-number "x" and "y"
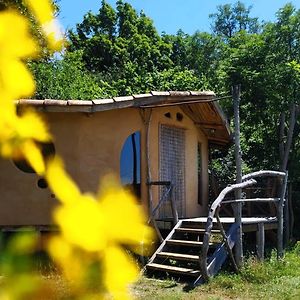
{"x": 15, "y": 38}
{"x": 19, "y": 134}
{"x": 119, "y": 271}
{"x": 15, "y": 44}
{"x": 101, "y": 224}
{"x": 95, "y": 229}
{"x": 61, "y": 183}
{"x": 43, "y": 11}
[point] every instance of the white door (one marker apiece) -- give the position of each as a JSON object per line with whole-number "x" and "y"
{"x": 172, "y": 167}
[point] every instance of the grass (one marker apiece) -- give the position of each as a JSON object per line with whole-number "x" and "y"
{"x": 272, "y": 279}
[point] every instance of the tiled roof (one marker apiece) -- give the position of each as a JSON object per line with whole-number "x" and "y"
{"x": 200, "y": 106}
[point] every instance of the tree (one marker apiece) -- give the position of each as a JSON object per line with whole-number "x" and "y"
{"x": 68, "y": 79}
{"x": 231, "y": 19}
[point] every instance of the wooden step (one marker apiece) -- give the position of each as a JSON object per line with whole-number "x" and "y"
{"x": 184, "y": 243}
{"x": 195, "y": 230}
{"x": 172, "y": 269}
{"x": 178, "y": 256}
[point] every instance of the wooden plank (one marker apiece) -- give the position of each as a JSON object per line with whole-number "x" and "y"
{"x": 172, "y": 269}
{"x": 195, "y": 230}
{"x": 253, "y": 227}
{"x": 185, "y": 243}
{"x": 179, "y": 256}
{"x": 159, "y": 249}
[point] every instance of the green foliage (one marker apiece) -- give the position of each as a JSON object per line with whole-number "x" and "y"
{"x": 231, "y": 19}
{"x": 67, "y": 79}
{"x": 110, "y": 40}
{"x": 119, "y": 51}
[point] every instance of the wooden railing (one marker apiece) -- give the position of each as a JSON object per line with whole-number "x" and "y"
{"x": 248, "y": 180}
{"x": 167, "y": 195}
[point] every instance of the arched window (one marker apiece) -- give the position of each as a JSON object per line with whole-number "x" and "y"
{"x": 130, "y": 163}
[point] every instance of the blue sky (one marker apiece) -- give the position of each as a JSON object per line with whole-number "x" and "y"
{"x": 171, "y": 15}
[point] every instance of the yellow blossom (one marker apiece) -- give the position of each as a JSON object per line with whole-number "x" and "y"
{"x": 95, "y": 229}
{"x": 43, "y": 11}
{"x": 15, "y": 79}
{"x": 119, "y": 271}
{"x": 82, "y": 223}
{"x": 19, "y": 134}
{"x": 61, "y": 183}
{"x": 101, "y": 224}
{"x": 15, "y": 44}
{"x": 65, "y": 255}
{"x": 15, "y": 38}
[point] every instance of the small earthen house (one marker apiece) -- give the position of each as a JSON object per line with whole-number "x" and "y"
{"x": 155, "y": 137}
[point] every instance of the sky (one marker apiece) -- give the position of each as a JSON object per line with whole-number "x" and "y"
{"x": 171, "y": 15}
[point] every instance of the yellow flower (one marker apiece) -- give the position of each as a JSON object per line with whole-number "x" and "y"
{"x": 61, "y": 183}
{"x": 97, "y": 214}
{"x": 121, "y": 209}
{"x": 15, "y": 44}
{"x": 19, "y": 134}
{"x": 43, "y": 11}
{"x": 82, "y": 223}
{"x": 101, "y": 225}
{"x": 15, "y": 38}
{"x": 119, "y": 271}
{"x": 15, "y": 79}
{"x": 65, "y": 255}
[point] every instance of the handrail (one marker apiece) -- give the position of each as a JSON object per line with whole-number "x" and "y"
{"x": 162, "y": 199}
{"x": 248, "y": 180}
{"x": 168, "y": 192}
{"x": 263, "y": 173}
{"x": 209, "y": 224}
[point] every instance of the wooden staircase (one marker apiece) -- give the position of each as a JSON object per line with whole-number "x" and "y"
{"x": 180, "y": 253}
{"x": 197, "y": 248}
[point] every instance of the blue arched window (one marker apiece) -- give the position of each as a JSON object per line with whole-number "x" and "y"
{"x": 130, "y": 163}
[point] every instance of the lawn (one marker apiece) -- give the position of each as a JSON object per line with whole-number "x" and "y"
{"x": 272, "y": 279}
{"x": 269, "y": 280}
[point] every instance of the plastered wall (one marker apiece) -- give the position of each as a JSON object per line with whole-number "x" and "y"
{"x": 90, "y": 145}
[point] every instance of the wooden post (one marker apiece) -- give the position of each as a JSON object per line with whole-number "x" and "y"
{"x": 173, "y": 205}
{"x": 286, "y": 218}
{"x": 147, "y": 121}
{"x": 287, "y": 148}
{"x": 236, "y": 94}
{"x": 291, "y": 211}
{"x": 260, "y": 241}
{"x": 280, "y": 219}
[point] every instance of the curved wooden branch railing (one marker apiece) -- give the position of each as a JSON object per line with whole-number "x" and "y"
{"x": 248, "y": 180}
{"x": 263, "y": 173}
